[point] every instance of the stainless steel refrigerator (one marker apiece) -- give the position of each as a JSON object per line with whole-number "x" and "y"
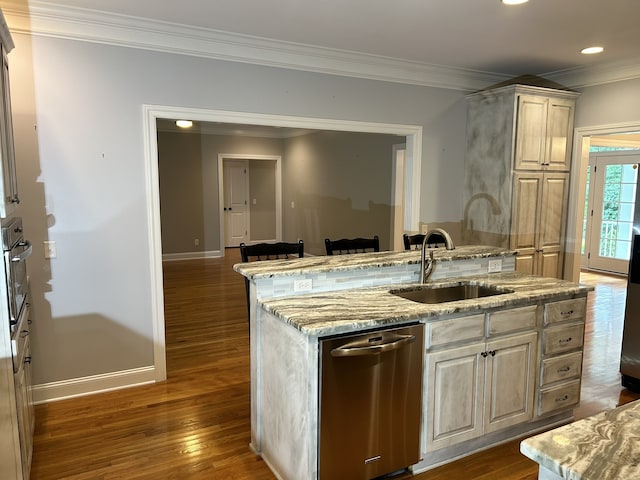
{"x": 630, "y": 357}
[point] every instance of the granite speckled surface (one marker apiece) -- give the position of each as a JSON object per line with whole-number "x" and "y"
{"x": 349, "y": 310}
{"x": 328, "y": 263}
{"x": 605, "y": 446}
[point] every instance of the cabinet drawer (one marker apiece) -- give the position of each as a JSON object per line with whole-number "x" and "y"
{"x": 455, "y": 330}
{"x": 559, "y": 397}
{"x": 511, "y": 320}
{"x": 562, "y": 367}
{"x": 562, "y": 339}
{"x": 573, "y": 309}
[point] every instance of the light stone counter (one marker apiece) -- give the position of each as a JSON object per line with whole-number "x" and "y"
{"x": 363, "y": 261}
{"x": 345, "y": 311}
{"x": 605, "y": 446}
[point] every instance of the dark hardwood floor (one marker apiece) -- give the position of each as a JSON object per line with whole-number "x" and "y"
{"x": 196, "y": 425}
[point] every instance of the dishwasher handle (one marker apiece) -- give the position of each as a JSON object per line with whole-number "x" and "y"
{"x": 385, "y": 342}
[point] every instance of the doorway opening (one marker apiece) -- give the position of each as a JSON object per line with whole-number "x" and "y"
{"x": 609, "y": 209}
{"x": 252, "y": 203}
{"x": 627, "y": 134}
{"x": 152, "y": 113}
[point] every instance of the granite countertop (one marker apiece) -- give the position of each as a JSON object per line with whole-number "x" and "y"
{"x": 359, "y": 261}
{"x": 602, "y": 447}
{"x": 351, "y": 310}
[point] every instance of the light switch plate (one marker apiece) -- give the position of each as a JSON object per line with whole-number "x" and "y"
{"x": 50, "y": 249}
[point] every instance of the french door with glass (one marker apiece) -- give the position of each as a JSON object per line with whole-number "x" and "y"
{"x": 609, "y": 208}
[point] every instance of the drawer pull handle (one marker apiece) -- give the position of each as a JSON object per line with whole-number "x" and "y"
{"x": 569, "y": 312}
{"x": 484, "y": 354}
{"x": 565, "y": 340}
{"x": 563, "y": 398}
{"x": 564, "y": 369}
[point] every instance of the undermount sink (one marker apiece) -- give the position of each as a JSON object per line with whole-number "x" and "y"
{"x": 427, "y": 294}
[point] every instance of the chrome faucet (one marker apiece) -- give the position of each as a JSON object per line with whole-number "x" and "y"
{"x": 426, "y": 268}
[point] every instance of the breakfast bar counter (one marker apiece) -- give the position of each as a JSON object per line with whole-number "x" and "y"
{"x": 605, "y": 446}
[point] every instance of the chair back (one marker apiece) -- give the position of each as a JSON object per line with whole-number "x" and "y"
{"x": 268, "y": 251}
{"x": 271, "y": 251}
{"x": 352, "y": 245}
{"x": 413, "y": 241}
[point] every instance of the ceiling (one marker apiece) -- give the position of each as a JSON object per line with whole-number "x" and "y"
{"x": 539, "y": 37}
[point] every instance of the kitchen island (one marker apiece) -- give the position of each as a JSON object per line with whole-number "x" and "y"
{"x": 495, "y": 367}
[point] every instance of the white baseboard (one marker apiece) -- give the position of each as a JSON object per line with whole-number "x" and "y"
{"x": 79, "y": 387}
{"x": 167, "y": 257}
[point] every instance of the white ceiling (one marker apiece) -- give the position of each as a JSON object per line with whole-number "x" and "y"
{"x": 539, "y": 37}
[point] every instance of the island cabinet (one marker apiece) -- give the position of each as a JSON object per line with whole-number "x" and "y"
{"x": 561, "y": 352}
{"x": 517, "y": 168}
{"x": 480, "y": 374}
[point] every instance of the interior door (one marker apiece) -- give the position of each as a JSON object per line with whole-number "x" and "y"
{"x": 236, "y": 202}
{"x": 609, "y": 211}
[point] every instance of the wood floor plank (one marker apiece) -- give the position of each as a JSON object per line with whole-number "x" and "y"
{"x": 196, "y": 425}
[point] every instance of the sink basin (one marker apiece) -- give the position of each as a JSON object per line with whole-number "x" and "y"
{"x": 426, "y": 294}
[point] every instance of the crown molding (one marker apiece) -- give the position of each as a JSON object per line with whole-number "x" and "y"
{"x": 606, "y": 72}
{"x": 46, "y": 19}
{"x": 52, "y": 20}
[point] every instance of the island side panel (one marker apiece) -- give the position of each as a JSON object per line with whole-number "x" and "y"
{"x": 288, "y": 410}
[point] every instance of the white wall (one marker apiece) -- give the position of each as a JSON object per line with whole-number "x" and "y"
{"x": 83, "y": 178}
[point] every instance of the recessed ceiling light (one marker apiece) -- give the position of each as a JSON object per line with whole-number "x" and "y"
{"x": 591, "y": 50}
{"x": 184, "y": 123}
{"x": 514, "y": 2}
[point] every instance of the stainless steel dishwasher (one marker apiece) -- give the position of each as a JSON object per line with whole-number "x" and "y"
{"x": 370, "y": 403}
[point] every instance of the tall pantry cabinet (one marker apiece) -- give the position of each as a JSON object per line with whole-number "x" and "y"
{"x": 517, "y": 167}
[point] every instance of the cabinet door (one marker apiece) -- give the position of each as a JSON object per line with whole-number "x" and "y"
{"x": 531, "y": 132}
{"x": 510, "y": 381}
{"x": 559, "y": 134}
{"x": 455, "y": 380}
{"x": 527, "y": 192}
{"x": 553, "y": 216}
{"x": 9, "y": 181}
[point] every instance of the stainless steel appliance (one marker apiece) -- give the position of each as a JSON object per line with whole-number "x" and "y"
{"x": 370, "y": 403}
{"x": 16, "y": 250}
{"x": 630, "y": 358}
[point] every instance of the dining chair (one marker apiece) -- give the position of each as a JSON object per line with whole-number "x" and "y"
{"x": 268, "y": 251}
{"x": 352, "y": 245}
{"x": 413, "y": 242}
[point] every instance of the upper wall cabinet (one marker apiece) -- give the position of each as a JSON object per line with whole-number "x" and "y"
{"x": 9, "y": 184}
{"x": 543, "y": 132}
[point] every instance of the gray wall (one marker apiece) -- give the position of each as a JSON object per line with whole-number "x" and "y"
{"x": 338, "y": 182}
{"x": 341, "y": 186}
{"x": 83, "y": 181}
{"x": 189, "y": 201}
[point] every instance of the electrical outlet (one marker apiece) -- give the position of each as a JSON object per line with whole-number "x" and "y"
{"x": 495, "y": 265}
{"x": 303, "y": 285}
{"x": 196, "y": 241}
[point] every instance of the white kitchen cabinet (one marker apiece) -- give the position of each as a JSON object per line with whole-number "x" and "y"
{"x": 517, "y": 169}
{"x": 543, "y": 131}
{"x": 561, "y": 355}
{"x": 482, "y": 387}
{"x": 539, "y": 219}
{"x": 9, "y": 184}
